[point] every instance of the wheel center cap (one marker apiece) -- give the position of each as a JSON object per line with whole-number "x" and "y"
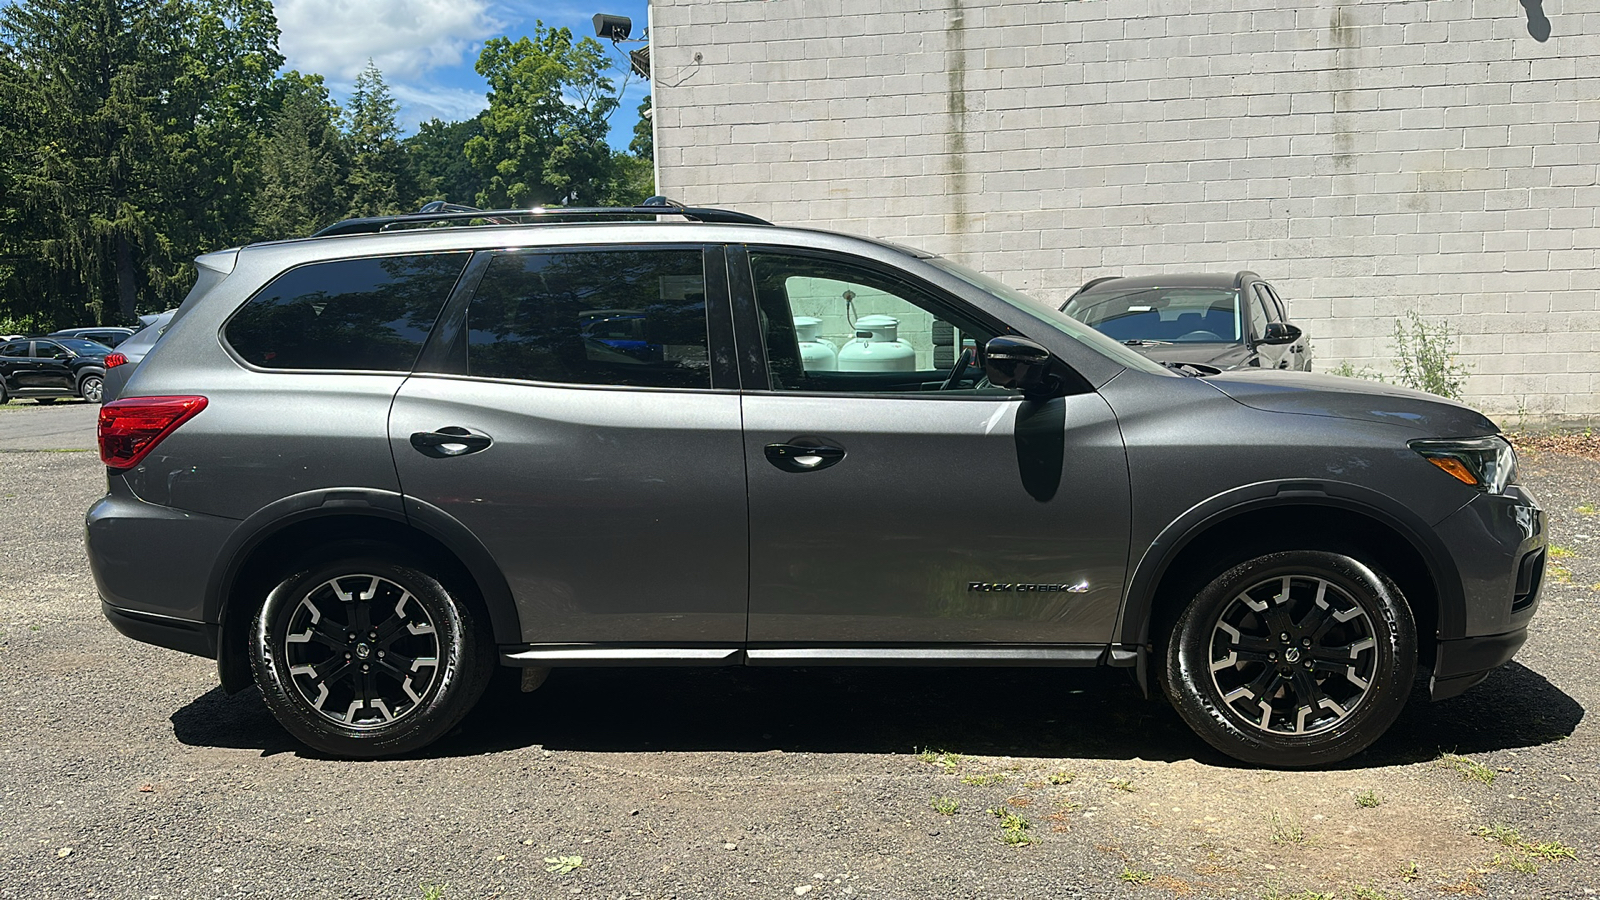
{"x": 1291, "y": 655}
{"x": 363, "y": 651}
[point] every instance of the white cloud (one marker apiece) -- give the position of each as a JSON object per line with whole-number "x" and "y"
{"x": 419, "y": 104}
{"x": 405, "y": 38}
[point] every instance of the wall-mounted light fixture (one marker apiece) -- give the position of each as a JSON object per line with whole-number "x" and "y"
{"x": 616, "y": 30}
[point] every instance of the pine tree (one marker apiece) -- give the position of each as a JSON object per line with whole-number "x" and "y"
{"x": 380, "y": 181}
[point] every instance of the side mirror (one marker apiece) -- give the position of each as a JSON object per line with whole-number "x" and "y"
{"x": 1016, "y": 363}
{"x": 1280, "y": 333}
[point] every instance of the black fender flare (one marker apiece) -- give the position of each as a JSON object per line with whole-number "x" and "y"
{"x": 1138, "y": 604}
{"x": 379, "y": 504}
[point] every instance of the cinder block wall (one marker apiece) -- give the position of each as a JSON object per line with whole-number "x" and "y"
{"x": 1368, "y": 157}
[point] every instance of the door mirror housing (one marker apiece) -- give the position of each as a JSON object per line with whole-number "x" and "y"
{"x": 1280, "y": 333}
{"x": 1018, "y": 364}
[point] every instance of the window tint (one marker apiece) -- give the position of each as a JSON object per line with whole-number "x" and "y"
{"x": 15, "y": 348}
{"x": 365, "y": 314}
{"x": 621, "y": 317}
{"x": 1279, "y": 309}
{"x": 829, "y": 325}
{"x": 52, "y": 350}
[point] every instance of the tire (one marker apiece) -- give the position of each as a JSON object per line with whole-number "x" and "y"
{"x": 4, "y": 396}
{"x": 302, "y": 637}
{"x": 1326, "y": 693}
{"x": 92, "y": 388}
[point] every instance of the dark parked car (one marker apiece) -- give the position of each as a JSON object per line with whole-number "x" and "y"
{"x": 110, "y": 335}
{"x": 1224, "y": 321}
{"x": 361, "y": 470}
{"x": 47, "y": 369}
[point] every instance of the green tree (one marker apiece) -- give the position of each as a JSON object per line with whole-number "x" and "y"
{"x": 643, "y": 144}
{"x": 544, "y": 134}
{"x": 301, "y": 182}
{"x": 124, "y": 136}
{"x": 380, "y": 181}
{"x": 439, "y": 158}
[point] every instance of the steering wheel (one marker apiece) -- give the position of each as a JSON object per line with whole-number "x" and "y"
{"x": 1201, "y": 336}
{"x": 960, "y": 368}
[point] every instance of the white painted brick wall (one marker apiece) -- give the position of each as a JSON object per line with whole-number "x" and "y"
{"x": 1368, "y": 158}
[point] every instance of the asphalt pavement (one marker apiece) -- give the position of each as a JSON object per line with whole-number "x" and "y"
{"x": 62, "y": 425}
{"x": 127, "y": 773}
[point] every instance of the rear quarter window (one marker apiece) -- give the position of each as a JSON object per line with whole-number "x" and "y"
{"x": 355, "y": 314}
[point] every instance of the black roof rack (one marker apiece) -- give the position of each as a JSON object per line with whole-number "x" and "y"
{"x": 440, "y": 212}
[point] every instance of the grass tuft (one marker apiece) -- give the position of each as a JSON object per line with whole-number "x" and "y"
{"x": 1468, "y": 769}
{"x": 945, "y": 806}
{"x": 1369, "y": 800}
{"x": 1013, "y": 828}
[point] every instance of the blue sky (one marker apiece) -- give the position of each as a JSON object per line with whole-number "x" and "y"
{"x": 426, "y": 48}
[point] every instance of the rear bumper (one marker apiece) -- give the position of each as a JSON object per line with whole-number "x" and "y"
{"x": 182, "y": 635}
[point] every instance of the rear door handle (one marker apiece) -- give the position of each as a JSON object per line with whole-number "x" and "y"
{"x": 451, "y": 440}
{"x": 803, "y": 457}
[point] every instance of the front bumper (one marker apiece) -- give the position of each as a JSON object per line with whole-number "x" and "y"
{"x": 1498, "y": 545}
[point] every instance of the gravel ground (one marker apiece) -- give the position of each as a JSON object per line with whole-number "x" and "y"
{"x": 127, "y": 772}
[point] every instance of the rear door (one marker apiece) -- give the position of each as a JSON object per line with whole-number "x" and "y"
{"x": 578, "y": 412}
{"x": 897, "y": 505}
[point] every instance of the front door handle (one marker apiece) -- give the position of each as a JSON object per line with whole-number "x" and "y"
{"x": 451, "y": 440}
{"x": 809, "y": 456}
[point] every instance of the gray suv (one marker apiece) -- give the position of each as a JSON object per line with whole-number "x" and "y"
{"x": 360, "y": 470}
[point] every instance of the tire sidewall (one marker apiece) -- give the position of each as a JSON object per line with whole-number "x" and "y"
{"x": 463, "y": 654}
{"x": 1189, "y": 683}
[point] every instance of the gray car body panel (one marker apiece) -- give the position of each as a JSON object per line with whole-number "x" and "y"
{"x": 648, "y": 519}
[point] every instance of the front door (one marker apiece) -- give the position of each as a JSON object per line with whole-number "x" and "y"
{"x": 896, "y": 500}
{"x": 577, "y": 424}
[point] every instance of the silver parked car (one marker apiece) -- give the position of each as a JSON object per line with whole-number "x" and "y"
{"x": 360, "y": 470}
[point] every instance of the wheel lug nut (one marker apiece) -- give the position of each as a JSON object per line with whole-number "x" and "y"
{"x": 1271, "y": 656}
{"x": 1284, "y": 636}
{"x": 366, "y": 668}
{"x": 1305, "y": 642}
{"x": 380, "y": 654}
{"x": 373, "y": 635}
{"x": 347, "y": 656}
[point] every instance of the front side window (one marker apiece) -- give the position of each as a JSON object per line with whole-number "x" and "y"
{"x": 52, "y": 350}
{"x": 632, "y": 318}
{"x": 352, "y": 314}
{"x": 830, "y": 325}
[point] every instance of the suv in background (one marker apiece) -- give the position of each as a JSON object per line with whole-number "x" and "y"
{"x": 1223, "y": 321}
{"x": 110, "y": 335}
{"x": 360, "y": 470}
{"x": 49, "y": 369}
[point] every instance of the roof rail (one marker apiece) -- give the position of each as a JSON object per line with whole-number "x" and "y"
{"x": 439, "y": 212}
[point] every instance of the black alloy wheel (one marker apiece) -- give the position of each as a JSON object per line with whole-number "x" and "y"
{"x": 1293, "y": 659}
{"x": 364, "y": 657}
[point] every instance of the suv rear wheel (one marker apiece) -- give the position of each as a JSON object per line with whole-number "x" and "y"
{"x": 1293, "y": 659}
{"x": 92, "y": 388}
{"x": 359, "y": 655}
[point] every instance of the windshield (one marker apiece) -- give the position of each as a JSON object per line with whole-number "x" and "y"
{"x": 1072, "y": 327}
{"x": 1173, "y": 315}
{"x": 83, "y": 347}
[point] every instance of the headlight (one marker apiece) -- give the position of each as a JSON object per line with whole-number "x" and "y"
{"x": 1487, "y": 463}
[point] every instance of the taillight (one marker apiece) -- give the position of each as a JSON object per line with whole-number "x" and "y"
{"x": 116, "y": 359}
{"x": 131, "y": 428}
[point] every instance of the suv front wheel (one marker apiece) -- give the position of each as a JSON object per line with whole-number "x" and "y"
{"x": 360, "y": 656}
{"x": 1297, "y": 658}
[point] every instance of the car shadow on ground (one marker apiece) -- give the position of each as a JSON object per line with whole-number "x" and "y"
{"x": 1051, "y": 713}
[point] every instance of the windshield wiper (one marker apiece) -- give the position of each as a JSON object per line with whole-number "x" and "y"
{"x": 1146, "y": 342}
{"x": 1190, "y": 369}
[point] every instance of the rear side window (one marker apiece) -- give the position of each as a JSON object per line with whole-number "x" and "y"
{"x": 634, "y": 318}
{"x": 361, "y": 314}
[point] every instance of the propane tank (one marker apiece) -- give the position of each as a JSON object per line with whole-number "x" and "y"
{"x": 816, "y": 354}
{"x": 876, "y": 348}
